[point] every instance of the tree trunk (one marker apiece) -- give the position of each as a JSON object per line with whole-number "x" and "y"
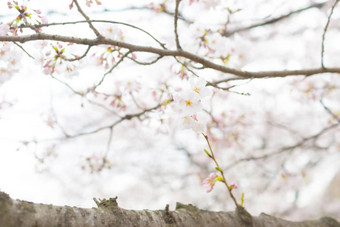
{"x": 16, "y": 213}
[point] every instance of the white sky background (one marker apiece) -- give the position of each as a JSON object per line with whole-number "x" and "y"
{"x": 60, "y": 179}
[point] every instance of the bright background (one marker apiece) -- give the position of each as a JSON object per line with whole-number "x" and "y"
{"x": 152, "y": 164}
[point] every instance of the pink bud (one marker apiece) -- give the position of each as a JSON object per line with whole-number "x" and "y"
{"x": 233, "y": 185}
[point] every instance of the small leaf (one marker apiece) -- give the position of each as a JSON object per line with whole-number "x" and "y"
{"x": 166, "y": 102}
{"x": 242, "y": 198}
{"x": 219, "y": 178}
{"x": 218, "y": 169}
{"x": 207, "y": 152}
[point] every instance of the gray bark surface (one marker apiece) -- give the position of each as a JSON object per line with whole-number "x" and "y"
{"x": 17, "y": 213}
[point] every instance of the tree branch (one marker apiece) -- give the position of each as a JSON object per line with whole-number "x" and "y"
{"x": 165, "y": 52}
{"x": 16, "y": 213}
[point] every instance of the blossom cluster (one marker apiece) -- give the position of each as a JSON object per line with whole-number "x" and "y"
{"x": 106, "y": 55}
{"x": 4, "y": 29}
{"x": 56, "y": 59}
{"x": 188, "y": 104}
{"x": 210, "y": 181}
{"x": 26, "y": 17}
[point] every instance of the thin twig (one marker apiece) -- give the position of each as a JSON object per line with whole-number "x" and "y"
{"x": 284, "y": 149}
{"x": 67, "y": 85}
{"x": 112, "y": 125}
{"x": 107, "y": 148}
{"x": 23, "y": 49}
{"x": 178, "y": 45}
{"x": 330, "y": 112}
{"x": 274, "y": 20}
{"x": 80, "y": 57}
{"x": 145, "y": 63}
{"x": 87, "y": 19}
{"x": 102, "y": 21}
{"x": 110, "y": 70}
{"x": 212, "y": 156}
{"x": 324, "y": 34}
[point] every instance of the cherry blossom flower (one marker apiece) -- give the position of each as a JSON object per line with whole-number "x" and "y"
{"x": 209, "y": 182}
{"x": 54, "y": 61}
{"x": 187, "y": 103}
{"x": 26, "y": 15}
{"x": 107, "y": 56}
{"x": 198, "y": 85}
{"x": 191, "y": 122}
{"x": 196, "y": 122}
{"x": 112, "y": 32}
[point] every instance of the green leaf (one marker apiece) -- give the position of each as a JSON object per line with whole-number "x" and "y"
{"x": 219, "y": 178}
{"x": 207, "y": 152}
{"x": 242, "y": 198}
{"x": 218, "y": 169}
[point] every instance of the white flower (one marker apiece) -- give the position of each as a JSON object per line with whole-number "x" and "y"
{"x": 112, "y": 32}
{"x": 194, "y": 122}
{"x": 198, "y": 85}
{"x": 187, "y": 102}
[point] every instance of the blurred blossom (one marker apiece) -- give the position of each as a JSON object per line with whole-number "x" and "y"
{"x": 112, "y": 32}
{"x": 233, "y": 185}
{"x": 187, "y": 102}
{"x": 192, "y": 122}
{"x": 10, "y": 60}
{"x": 4, "y": 29}
{"x": 219, "y": 44}
{"x": 209, "y": 182}
{"x": 192, "y": 1}
{"x": 198, "y": 85}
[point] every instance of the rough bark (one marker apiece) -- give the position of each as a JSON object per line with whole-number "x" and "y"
{"x": 18, "y": 213}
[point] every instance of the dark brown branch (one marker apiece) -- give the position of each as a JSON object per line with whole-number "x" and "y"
{"x": 164, "y": 52}
{"x": 324, "y": 33}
